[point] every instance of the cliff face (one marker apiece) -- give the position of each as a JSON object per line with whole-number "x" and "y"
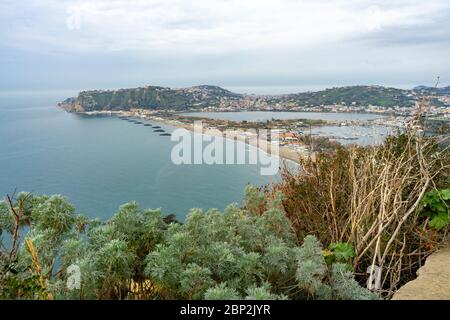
{"x": 149, "y": 97}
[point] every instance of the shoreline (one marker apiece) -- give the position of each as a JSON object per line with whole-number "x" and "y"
{"x": 284, "y": 153}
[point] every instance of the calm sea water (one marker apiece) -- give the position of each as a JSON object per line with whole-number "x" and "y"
{"x": 100, "y": 163}
{"x": 361, "y": 135}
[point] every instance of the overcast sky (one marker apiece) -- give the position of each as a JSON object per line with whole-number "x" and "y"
{"x": 257, "y": 45}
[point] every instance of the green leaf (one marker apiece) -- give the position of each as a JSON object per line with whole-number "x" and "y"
{"x": 445, "y": 194}
{"x": 342, "y": 251}
{"x": 439, "y": 221}
{"x": 435, "y": 203}
{"x": 441, "y": 208}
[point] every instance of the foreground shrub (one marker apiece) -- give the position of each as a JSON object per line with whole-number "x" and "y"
{"x": 237, "y": 254}
{"x": 370, "y": 198}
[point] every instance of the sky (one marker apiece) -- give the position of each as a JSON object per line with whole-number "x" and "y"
{"x": 253, "y": 46}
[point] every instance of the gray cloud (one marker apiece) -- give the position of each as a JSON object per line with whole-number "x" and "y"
{"x": 434, "y": 30}
{"x": 233, "y": 43}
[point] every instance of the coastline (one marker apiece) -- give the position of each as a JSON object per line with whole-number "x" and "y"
{"x": 284, "y": 153}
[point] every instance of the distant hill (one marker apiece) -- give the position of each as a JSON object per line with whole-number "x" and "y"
{"x": 156, "y": 98}
{"x": 359, "y": 95}
{"x": 438, "y": 91}
{"x": 149, "y": 97}
{"x": 421, "y": 87}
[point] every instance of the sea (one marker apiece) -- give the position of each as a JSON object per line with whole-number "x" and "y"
{"x": 101, "y": 162}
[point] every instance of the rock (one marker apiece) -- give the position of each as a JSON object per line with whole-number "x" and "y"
{"x": 433, "y": 281}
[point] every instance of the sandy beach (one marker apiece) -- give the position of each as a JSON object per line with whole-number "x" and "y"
{"x": 282, "y": 151}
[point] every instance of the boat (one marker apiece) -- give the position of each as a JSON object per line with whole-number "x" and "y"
{"x": 156, "y": 127}
{"x": 158, "y": 130}
{"x": 147, "y": 125}
{"x": 165, "y": 134}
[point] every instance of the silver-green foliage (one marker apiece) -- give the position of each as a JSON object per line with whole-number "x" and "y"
{"x": 236, "y": 247}
{"x": 241, "y": 253}
{"x": 317, "y": 280}
{"x": 345, "y": 287}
